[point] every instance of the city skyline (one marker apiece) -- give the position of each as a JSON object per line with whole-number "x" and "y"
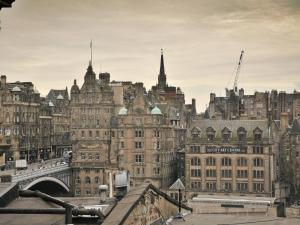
{"x": 48, "y": 43}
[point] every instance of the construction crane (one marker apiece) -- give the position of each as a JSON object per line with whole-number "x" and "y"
{"x": 235, "y": 88}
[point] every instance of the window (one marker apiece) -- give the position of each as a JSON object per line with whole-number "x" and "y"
{"x": 77, "y": 180}
{"x": 156, "y": 158}
{"x": 139, "y": 133}
{"x": 87, "y": 180}
{"x": 226, "y": 186}
{"x": 242, "y": 134}
{"x": 157, "y": 133}
{"x": 195, "y": 173}
{"x": 226, "y": 135}
{"x": 258, "y": 187}
{"x": 156, "y": 145}
{"x": 97, "y": 157}
{"x": 138, "y": 144}
{"x": 211, "y": 173}
{"x": 97, "y": 180}
{"x": 156, "y": 171}
{"x": 88, "y": 192}
{"x": 90, "y": 133}
{"x": 257, "y": 149}
{"x": 195, "y": 133}
{"x": 90, "y": 156}
{"x": 77, "y": 191}
{"x": 259, "y": 174}
{"x": 226, "y": 173}
{"x": 121, "y": 133}
{"x": 195, "y": 149}
{"x": 112, "y": 134}
{"x": 139, "y": 158}
{"x": 226, "y": 161}
{"x": 196, "y": 185}
{"x": 210, "y": 132}
{"x": 122, "y": 144}
{"x": 242, "y": 173}
{"x": 242, "y": 187}
{"x": 257, "y": 133}
{"x": 82, "y": 134}
{"x": 258, "y": 162}
{"x": 97, "y": 134}
{"x": 242, "y": 161}
{"x": 211, "y": 186}
{"x": 195, "y": 161}
{"x": 210, "y": 161}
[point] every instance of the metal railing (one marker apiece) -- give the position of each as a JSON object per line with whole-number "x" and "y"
{"x": 39, "y": 172}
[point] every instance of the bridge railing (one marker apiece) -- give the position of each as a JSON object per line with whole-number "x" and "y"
{"x": 39, "y": 172}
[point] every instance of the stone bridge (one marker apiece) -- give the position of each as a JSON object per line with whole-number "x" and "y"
{"x": 49, "y": 179}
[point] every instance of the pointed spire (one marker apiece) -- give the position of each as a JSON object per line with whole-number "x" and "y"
{"x": 162, "y": 78}
{"x": 162, "y": 65}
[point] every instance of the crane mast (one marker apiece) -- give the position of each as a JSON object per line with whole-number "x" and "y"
{"x": 235, "y": 89}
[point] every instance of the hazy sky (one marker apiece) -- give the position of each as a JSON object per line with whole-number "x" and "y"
{"x": 47, "y": 42}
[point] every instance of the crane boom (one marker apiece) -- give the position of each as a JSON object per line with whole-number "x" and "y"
{"x": 235, "y": 89}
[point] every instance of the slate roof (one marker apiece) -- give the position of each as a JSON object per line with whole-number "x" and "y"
{"x": 232, "y": 125}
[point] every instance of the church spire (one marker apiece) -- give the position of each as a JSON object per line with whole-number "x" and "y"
{"x": 162, "y": 78}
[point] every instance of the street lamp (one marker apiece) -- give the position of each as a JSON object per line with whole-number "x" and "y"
{"x": 178, "y": 185}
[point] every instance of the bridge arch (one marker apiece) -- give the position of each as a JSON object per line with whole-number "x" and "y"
{"x": 47, "y": 179}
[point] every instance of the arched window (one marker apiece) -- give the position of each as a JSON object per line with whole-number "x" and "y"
{"x": 210, "y": 161}
{"x": 87, "y": 180}
{"x": 211, "y": 133}
{"x": 226, "y": 135}
{"x": 97, "y": 180}
{"x": 241, "y": 134}
{"x": 258, "y": 162}
{"x": 226, "y": 161}
{"x": 195, "y": 161}
{"x": 242, "y": 161}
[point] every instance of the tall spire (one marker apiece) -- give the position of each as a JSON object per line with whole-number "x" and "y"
{"x": 162, "y": 78}
{"x": 162, "y": 65}
{"x": 91, "y": 47}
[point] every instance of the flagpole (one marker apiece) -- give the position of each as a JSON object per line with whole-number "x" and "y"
{"x": 91, "y": 47}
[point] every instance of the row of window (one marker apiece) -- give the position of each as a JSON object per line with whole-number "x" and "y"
{"x": 90, "y": 156}
{"x": 87, "y": 180}
{"x": 211, "y": 161}
{"x": 227, "y": 134}
{"x": 227, "y": 173}
{"x": 227, "y": 186}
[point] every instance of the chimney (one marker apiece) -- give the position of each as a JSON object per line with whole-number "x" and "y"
{"x": 284, "y": 120}
{"x": 3, "y": 80}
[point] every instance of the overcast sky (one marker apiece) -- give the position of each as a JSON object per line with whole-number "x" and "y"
{"x": 47, "y": 42}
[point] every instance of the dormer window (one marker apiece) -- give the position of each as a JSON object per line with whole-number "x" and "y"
{"x": 241, "y": 134}
{"x": 226, "y": 135}
{"x": 210, "y": 132}
{"x": 257, "y": 133}
{"x": 195, "y": 133}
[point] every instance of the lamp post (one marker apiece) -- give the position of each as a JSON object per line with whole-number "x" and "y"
{"x": 178, "y": 185}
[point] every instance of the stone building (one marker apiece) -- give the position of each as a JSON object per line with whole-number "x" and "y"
{"x": 230, "y": 156}
{"x": 259, "y": 105}
{"x": 92, "y": 111}
{"x": 288, "y": 163}
{"x": 59, "y": 104}
{"x": 19, "y": 115}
